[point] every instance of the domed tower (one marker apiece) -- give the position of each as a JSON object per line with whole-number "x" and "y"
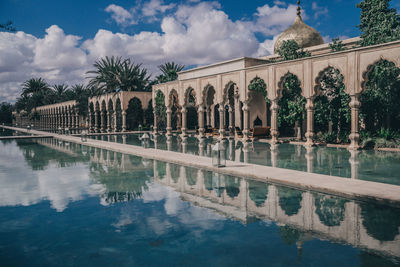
{"x": 303, "y": 34}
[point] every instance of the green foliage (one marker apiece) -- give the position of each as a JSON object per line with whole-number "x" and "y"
{"x": 336, "y": 45}
{"x": 148, "y": 114}
{"x": 114, "y": 74}
{"x": 290, "y": 50}
{"x": 169, "y": 72}
{"x": 161, "y": 111}
{"x": 380, "y": 101}
{"x": 134, "y": 114}
{"x": 291, "y": 104}
{"x": 378, "y": 22}
{"x": 8, "y": 27}
{"x": 6, "y": 112}
{"x": 332, "y": 106}
{"x": 330, "y": 209}
{"x": 289, "y": 234}
{"x": 258, "y": 85}
{"x": 35, "y": 92}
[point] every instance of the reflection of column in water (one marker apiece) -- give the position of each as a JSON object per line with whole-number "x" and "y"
{"x": 243, "y": 192}
{"x": 155, "y": 171}
{"x": 115, "y": 138}
{"x": 310, "y": 158}
{"x": 184, "y": 144}
{"x": 115, "y": 159}
{"x": 231, "y": 149}
{"x": 102, "y": 138}
{"x": 169, "y": 143}
{"x": 217, "y": 183}
{"x": 298, "y": 150}
{"x": 155, "y": 140}
{"x": 274, "y": 155}
{"x": 238, "y": 151}
{"x": 308, "y": 202}
{"x": 200, "y": 182}
{"x": 354, "y": 163}
{"x": 272, "y": 201}
{"x": 108, "y": 157}
{"x": 209, "y": 149}
{"x": 124, "y": 139}
{"x": 201, "y": 146}
{"x": 108, "y": 138}
{"x": 246, "y": 151}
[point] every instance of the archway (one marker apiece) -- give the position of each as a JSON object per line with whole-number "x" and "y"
{"x": 110, "y": 115}
{"x": 229, "y": 108}
{"x": 259, "y": 103}
{"x": 134, "y": 114}
{"x": 332, "y": 112}
{"x": 190, "y": 102}
{"x": 291, "y": 106}
{"x": 118, "y": 113}
{"x": 380, "y": 106}
{"x": 209, "y": 102}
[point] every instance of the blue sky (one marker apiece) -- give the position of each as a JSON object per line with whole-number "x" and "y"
{"x": 60, "y": 40}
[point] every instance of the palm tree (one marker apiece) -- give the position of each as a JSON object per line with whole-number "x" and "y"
{"x": 169, "y": 71}
{"x": 115, "y": 74}
{"x": 34, "y": 85}
{"x": 60, "y": 93}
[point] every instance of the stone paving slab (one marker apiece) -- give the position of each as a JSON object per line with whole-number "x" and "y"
{"x": 346, "y": 187}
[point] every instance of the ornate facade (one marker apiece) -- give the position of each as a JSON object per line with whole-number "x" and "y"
{"x": 226, "y": 85}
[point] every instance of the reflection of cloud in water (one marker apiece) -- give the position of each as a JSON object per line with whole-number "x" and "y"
{"x": 188, "y": 215}
{"x": 19, "y": 185}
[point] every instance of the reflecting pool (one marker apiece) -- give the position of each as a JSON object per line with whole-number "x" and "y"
{"x": 67, "y": 204}
{"x": 370, "y": 165}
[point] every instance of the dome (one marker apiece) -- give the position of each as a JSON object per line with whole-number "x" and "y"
{"x": 303, "y": 34}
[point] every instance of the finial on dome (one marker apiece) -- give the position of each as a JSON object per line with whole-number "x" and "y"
{"x": 298, "y": 8}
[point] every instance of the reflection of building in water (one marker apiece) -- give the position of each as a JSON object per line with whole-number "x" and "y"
{"x": 362, "y": 225}
{"x": 124, "y": 177}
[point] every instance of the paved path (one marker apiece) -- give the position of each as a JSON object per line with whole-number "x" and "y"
{"x": 345, "y": 187}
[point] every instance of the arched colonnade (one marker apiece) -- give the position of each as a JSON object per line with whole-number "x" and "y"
{"x": 64, "y": 114}
{"x": 108, "y": 112}
{"x": 226, "y": 86}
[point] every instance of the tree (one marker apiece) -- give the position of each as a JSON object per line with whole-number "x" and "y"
{"x": 8, "y": 27}
{"x": 169, "y": 72}
{"x": 6, "y": 112}
{"x": 80, "y": 93}
{"x": 332, "y": 105}
{"x": 114, "y": 75}
{"x": 380, "y": 107}
{"x": 161, "y": 110}
{"x": 378, "y": 22}
{"x": 290, "y": 50}
{"x": 60, "y": 93}
{"x": 35, "y": 92}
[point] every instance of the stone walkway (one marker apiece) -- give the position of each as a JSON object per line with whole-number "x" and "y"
{"x": 346, "y": 187}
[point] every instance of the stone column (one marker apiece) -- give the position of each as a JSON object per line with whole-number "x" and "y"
{"x": 208, "y": 116}
{"x": 310, "y": 122}
{"x": 200, "y": 116}
{"x": 115, "y": 120}
{"x": 102, "y": 125}
{"x": 169, "y": 121}
{"x": 108, "y": 121}
{"x": 178, "y": 120}
{"x": 155, "y": 132}
{"x": 231, "y": 122}
{"x": 246, "y": 125}
{"x": 354, "y": 135}
{"x": 184, "y": 119}
{"x": 95, "y": 121}
{"x": 221, "y": 121}
{"x": 77, "y": 120}
{"x": 90, "y": 120}
{"x": 124, "y": 121}
{"x": 274, "y": 121}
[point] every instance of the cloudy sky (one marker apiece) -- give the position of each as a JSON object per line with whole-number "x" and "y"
{"x": 60, "y": 40}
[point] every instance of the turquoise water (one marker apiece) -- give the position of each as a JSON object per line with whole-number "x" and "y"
{"x": 370, "y": 165}
{"x": 8, "y": 132}
{"x": 64, "y": 204}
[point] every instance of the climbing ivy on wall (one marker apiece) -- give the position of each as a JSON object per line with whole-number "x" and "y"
{"x": 258, "y": 85}
{"x": 161, "y": 111}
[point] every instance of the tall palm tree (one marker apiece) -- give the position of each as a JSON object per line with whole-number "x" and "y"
{"x": 115, "y": 74}
{"x": 169, "y": 71}
{"x": 60, "y": 92}
{"x": 34, "y": 85}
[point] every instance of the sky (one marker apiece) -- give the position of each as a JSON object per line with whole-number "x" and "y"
{"x": 60, "y": 40}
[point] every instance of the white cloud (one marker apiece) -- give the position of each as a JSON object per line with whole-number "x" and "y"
{"x": 120, "y": 15}
{"x": 194, "y": 34}
{"x": 319, "y": 11}
{"x": 154, "y": 7}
